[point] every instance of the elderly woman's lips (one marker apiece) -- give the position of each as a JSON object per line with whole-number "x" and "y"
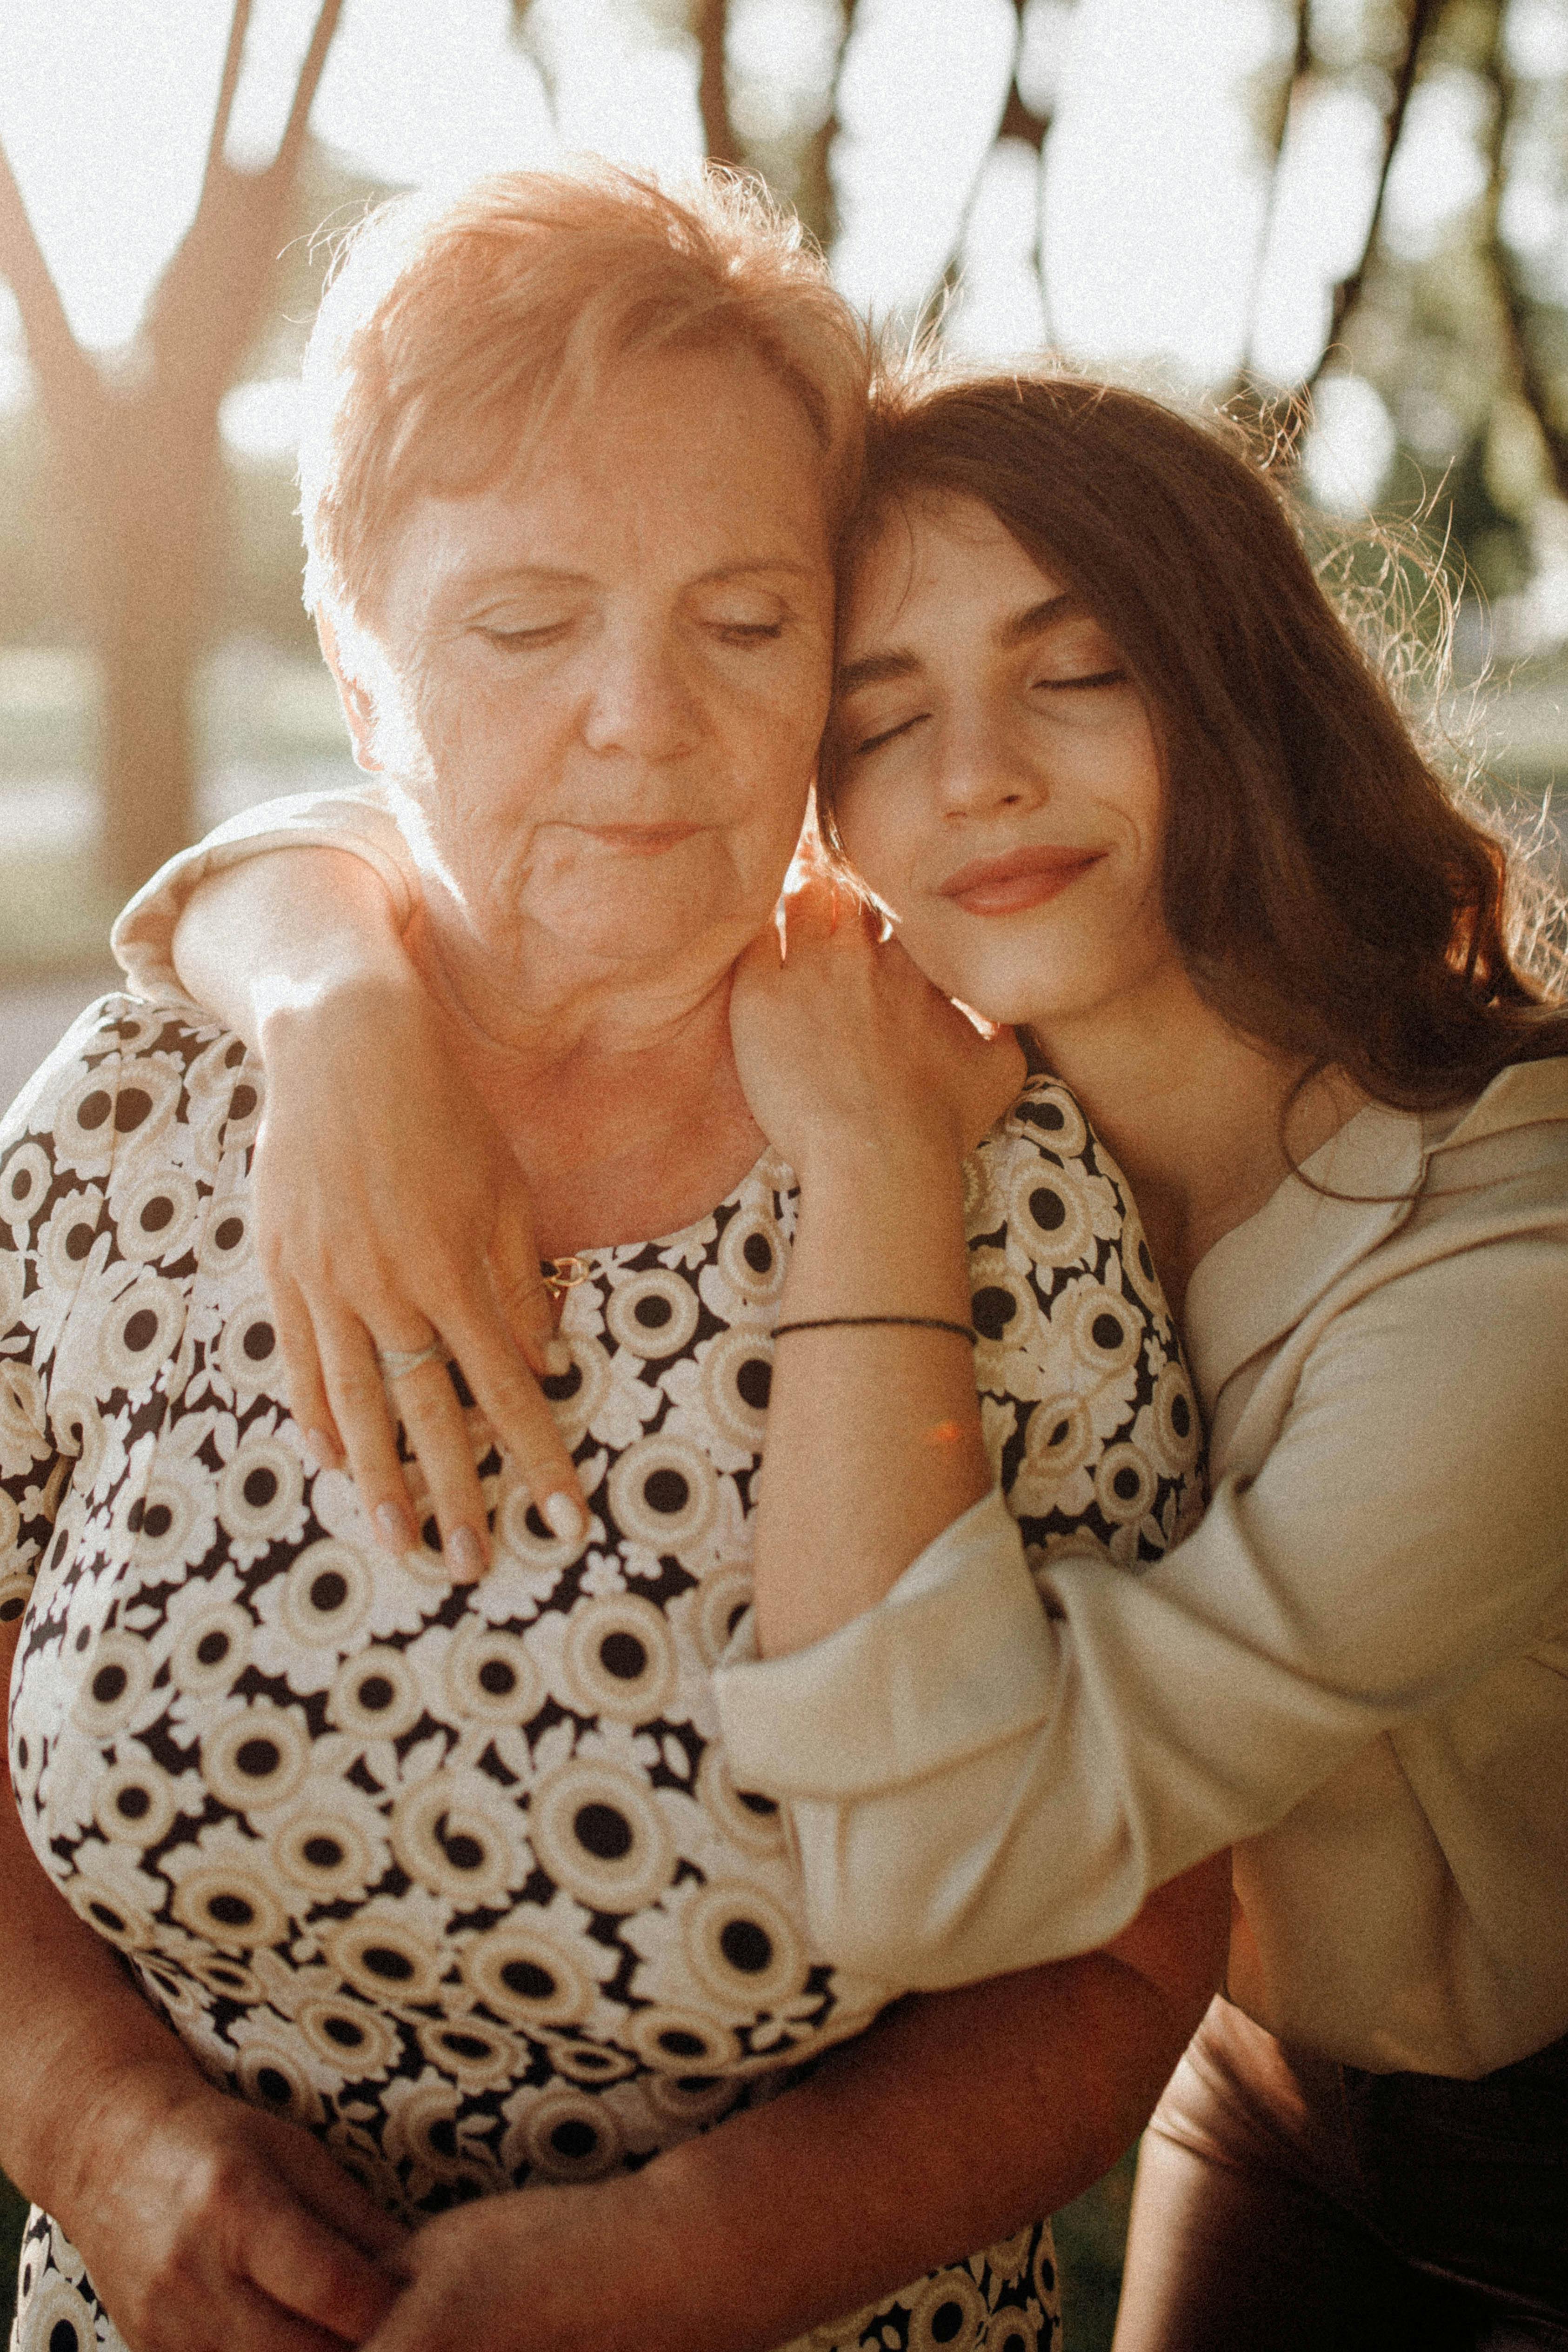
{"x": 1028, "y": 877}
{"x": 641, "y": 840}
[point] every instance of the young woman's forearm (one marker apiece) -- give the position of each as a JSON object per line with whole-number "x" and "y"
{"x": 873, "y": 1435}
{"x": 963, "y": 2117}
{"x": 277, "y": 933}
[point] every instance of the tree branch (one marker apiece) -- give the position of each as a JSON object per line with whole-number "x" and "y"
{"x": 282, "y": 163}
{"x": 815, "y": 204}
{"x": 1301, "y": 69}
{"x": 1017, "y": 121}
{"x": 1420, "y": 15}
{"x": 68, "y": 379}
{"x": 711, "y": 23}
{"x": 223, "y": 113}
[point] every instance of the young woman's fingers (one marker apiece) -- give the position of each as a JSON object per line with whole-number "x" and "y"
{"x": 366, "y": 1422}
{"x": 433, "y": 1419}
{"x": 307, "y": 1389}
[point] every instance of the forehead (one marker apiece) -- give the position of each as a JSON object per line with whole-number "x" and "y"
{"x": 678, "y": 464}
{"x": 932, "y": 559}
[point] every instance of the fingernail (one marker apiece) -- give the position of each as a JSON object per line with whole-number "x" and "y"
{"x": 392, "y": 1527}
{"x": 464, "y": 1556}
{"x": 319, "y": 1450}
{"x": 557, "y": 1360}
{"x": 564, "y": 1516}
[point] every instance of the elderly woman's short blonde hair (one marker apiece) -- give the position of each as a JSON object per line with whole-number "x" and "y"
{"x": 447, "y": 335}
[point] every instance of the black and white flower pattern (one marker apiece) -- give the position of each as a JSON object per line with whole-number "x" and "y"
{"x": 457, "y": 1876}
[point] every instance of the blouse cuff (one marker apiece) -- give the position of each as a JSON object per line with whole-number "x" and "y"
{"x": 950, "y": 1662}
{"x": 143, "y": 934}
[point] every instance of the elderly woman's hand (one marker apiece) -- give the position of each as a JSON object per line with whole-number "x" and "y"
{"x": 842, "y": 1039}
{"x": 207, "y": 2226}
{"x": 390, "y": 1214}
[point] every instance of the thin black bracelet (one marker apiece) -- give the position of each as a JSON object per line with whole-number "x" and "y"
{"x": 865, "y": 1322}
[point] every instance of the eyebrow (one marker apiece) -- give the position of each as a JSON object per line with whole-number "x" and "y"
{"x": 877, "y": 668}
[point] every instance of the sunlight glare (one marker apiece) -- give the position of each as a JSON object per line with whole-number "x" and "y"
{"x": 260, "y": 420}
{"x": 1438, "y": 170}
{"x": 1154, "y": 195}
{"x": 1350, "y": 446}
{"x": 1328, "y": 178}
{"x": 429, "y": 98}
{"x": 999, "y": 313}
{"x": 131, "y": 80}
{"x": 780, "y": 55}
{"x": 922, "y": 91}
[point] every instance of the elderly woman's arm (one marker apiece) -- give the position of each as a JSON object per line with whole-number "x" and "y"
{"x": 955, "y": 2122}
{"x": 200, "y": 2220}
{"x": 387, "y": 1203}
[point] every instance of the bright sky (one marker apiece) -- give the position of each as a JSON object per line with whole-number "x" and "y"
{"x": 1155, "y": 241}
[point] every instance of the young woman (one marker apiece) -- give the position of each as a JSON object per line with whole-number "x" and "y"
{"x": 1118, "y": 772}
{"x": 1121, "y": 777}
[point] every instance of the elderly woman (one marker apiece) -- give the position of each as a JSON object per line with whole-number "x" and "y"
{"x": 443, "y": 1874}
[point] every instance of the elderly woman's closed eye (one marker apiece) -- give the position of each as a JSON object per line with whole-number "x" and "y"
{"x": 446, "y": 1869}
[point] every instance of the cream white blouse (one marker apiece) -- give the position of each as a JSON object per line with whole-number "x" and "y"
{"x": 1355, "y": 1670}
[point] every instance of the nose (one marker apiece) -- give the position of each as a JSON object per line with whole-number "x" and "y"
{"x": 641, "y": 702}
{"x": 985, "y": 768}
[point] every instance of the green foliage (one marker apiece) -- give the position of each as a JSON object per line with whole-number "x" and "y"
{"x": 13, "y": 2221}
{"x": 1090, "y": 2234}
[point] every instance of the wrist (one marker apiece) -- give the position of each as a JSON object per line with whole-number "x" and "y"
{"x": 921, "y": 1151}
{"x": 101, "y": 2112}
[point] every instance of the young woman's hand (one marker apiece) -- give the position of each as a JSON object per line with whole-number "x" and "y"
{"x": 208, "y": 2226}
{"x": 540, "y": 2270}
{"x": 844, "y": 1046}
{"x": 391, "y": 1215}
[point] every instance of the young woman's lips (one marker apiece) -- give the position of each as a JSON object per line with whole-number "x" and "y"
{"x": 1027, "y": 877}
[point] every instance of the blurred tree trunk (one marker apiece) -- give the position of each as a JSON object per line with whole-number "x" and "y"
{"x": 1020, "y": 121}
{"x": 135, "y": 452}
{"x": 1419, "y": 17}
{"x": 814, "y": 199}
{"x": 711, "y": 25}
{"x": 1531, "y": 377}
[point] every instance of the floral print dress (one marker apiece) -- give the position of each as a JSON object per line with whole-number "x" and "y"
{"x": 456, "y": 1876}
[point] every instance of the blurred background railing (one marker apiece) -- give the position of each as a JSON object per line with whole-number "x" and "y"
{"x": 1347, "y": 219}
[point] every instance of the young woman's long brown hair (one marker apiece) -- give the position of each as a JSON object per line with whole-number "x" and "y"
{"x": 1328, "y": 895}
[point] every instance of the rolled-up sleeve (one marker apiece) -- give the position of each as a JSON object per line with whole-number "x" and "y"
{"x": 982, "y": 1777}
{"x": 143, "y": 935}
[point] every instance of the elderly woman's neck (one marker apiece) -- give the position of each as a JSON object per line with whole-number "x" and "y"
{"x": 616, "y": 1087}
{"x": 539, "y": 1006}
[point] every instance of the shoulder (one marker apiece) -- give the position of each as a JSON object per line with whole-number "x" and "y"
{"x": 1044, "y": 1174}
{"x": 129, "y": 1077}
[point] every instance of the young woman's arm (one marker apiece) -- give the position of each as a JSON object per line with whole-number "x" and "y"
{"x": 1029, "y": 1773}
{"x": 388, "y": 1206}
{"x": 873, "y": 1088}
{"x": 958, "y": 2119}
